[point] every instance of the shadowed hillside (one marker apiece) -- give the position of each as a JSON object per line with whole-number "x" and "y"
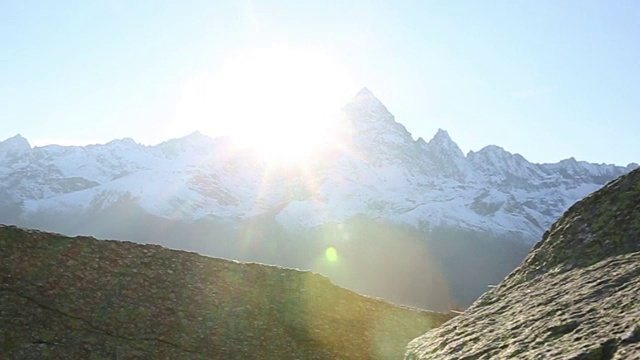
{"x": 574, "y": 297}
{"x": 424, "y": 268}
{"x": 75, "y": 298}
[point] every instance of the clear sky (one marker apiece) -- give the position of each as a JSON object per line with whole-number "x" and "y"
{"x": 546, "y": 79}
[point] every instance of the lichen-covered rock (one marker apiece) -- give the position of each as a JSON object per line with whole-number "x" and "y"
{"x": 82, "y": 298}
{"x": 576, "y": 296}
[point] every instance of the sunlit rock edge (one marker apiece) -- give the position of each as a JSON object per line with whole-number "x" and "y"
{"x": 574, "y": 297}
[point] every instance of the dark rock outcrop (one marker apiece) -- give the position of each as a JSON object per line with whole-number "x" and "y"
{"x": 576, "y": 296}
{"x": 80, "y": 298}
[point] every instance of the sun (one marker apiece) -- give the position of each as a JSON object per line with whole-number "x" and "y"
{"x": 279, "y": 100}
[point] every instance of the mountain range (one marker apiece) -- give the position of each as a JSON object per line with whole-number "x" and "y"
{"x": 485, "y": 208}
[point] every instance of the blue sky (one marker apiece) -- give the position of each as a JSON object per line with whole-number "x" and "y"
{"x": 546, "y": 79}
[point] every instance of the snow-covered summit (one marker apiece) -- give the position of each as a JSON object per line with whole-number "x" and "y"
{"x": 383, "y": 173}
{"x": 365, "y": 92}
{"x": 365, "y": 111}
{"x": 375, "y": 135}
{"x": 13, "y": 147}
{"x": 442, "y": 141}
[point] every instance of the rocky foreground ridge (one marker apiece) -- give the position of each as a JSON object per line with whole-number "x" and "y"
{"x": 576, "y": 296}
{"x": 81, "y": 298}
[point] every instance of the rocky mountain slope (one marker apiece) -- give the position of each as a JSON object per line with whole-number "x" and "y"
{"x": 574, "y": 297}
{"x": 81, "y": 298}
{"x": 378, "y": 171}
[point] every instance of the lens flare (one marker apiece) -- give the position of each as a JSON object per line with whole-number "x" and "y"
{"x": 332, "y": 254}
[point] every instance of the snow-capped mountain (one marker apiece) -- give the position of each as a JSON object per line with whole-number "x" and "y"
{"x": 381, "y": 172}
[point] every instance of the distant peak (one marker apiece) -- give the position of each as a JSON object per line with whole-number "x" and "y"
{"x": 366, "y": 102}
{"x": 127, "y": 141}
{"x": 495, "y": 154}
{"x": 195, "y": 139}
{"x": 442, "y": 137}
{"x": 15, "y": 138}
{"x": 442, "y": 140}
{"x": 365, "y": 96}
{"x": 364, "y": 92}
{"x": 442, "y": 134}
{"x": 492, "y": 149}
{"x": 16, "y": 143}
{"x": 570, "y": 161}
{"x": 198, "y": 136}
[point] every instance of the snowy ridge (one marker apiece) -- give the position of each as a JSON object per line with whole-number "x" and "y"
{"x": 13, "y": 148}
{"x": 381, "y": 173}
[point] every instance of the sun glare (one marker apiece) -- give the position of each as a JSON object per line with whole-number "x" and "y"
{"x": 278, "y": 100}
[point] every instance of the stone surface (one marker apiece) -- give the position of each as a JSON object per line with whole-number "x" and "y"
{"x": 82, "y": 298}
{"x": 576, "y": 296}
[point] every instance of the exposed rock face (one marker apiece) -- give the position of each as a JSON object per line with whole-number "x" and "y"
{"x": 79, "y": 298}
{"x": 574, "y": 297}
